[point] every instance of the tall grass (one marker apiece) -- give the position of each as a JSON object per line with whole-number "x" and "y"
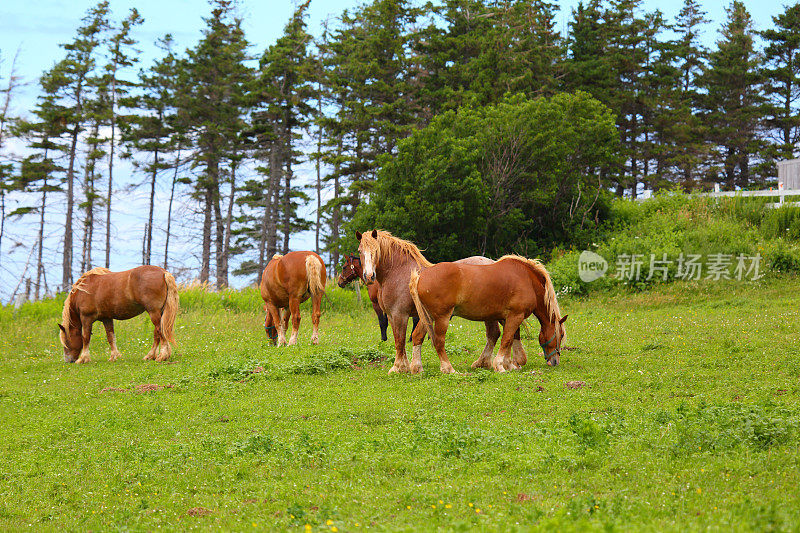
{"x": 674, "y": 223}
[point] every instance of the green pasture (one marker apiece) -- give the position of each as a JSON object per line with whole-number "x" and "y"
{"x": 688, "y": 419}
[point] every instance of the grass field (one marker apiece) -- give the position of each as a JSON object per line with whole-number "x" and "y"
{"x": 689, "y": 419}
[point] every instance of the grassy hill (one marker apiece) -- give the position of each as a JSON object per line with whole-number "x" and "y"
{"x": 687, "y": 418}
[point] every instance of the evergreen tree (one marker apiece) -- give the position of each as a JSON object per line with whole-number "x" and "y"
{"x": 214, "y": 104}
{"x": 733, "y": 101}
{"x": 69, "y": 80}
{"x": 122, "y": 55}
{"x": 782, "y": 76}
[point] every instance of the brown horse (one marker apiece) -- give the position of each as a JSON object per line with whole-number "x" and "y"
{"x": 107, "y": 296}
{"x": 389, "y": 261}
{"x": 352, "y": 271}
{"x": 509, "y": 290}
{"x": 287, "y": 281}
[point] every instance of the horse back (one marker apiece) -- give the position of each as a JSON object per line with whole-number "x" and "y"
{"x": 123, "y": 295}
{"x": 286, "y": 276}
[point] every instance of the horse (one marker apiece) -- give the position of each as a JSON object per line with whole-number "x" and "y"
{"x": 511, "y": 289}
{"x": 389, "y": 261}
{"x": 102, "y": 295}
{"x": 289, "y": 280}
{"x": 351, "y": 271}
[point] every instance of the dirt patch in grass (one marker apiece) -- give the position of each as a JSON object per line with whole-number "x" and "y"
{"x": 199, "y": 511}
{"x": 152, "y": 387}
{"x": 575, "y": 384}
{"x": 114, "y": 389}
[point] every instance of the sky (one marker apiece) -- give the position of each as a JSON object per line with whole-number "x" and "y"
{"x": 35, "y": 29}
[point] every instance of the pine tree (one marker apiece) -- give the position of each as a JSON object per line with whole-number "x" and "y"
{"x": 122, "y": 55}
{"x": 69, "y": 80}
{"x": 683, "y": 125}
{"x": 151, "y": 132}
{"x": 6, "y": 168}
{"x": 733, "y": 100}
{"x": 214, "y": 105}
{"x": 782, "y": 75}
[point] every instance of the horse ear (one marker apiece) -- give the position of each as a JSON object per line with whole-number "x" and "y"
{"x": 374, "y": 234}
{"x": 358, "y": 235}
{"x": 563, "y": 319}
{"x": 62, "y": 329}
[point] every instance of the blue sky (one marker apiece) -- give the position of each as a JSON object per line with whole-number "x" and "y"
{"x": 37, "y": 27}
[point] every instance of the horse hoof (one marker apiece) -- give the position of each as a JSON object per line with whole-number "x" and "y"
{"x": 416, "y": 369}
{"x": 314, "y": 340}
{"x": 393, "y": 370}
{"x": 448, "y": 370}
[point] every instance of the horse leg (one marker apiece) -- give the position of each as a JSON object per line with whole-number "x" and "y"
{"x": 502, "y": 361}
{"x": 414, "y": 322}
{"x": 440, "y": 331}
{"x": 165, "y": 351}
{"x": 155, "y": 318}
{"x": 86, "y": 333}
{"x": 492, "y": 334}
{"x": 316, "y": 312}
{"x": 417, "y": 336}
{"x": 294, "y": 308}
{"x": 399, "y": 327}
{"x": 520, "y": 357}
{"x": 383, "y": 322}
{"x": 275, "y": 317}
{"x": 269, "y": 327}
{"x": 112, "y": 340}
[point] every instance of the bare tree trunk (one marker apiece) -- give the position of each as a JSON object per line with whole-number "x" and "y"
{"x": 336, "y": 214}
{"x": 205, "y": 263}
{"x": 262, "y": 241}
{"x": 319, "y": 177}
{"x": 111, "y": 168}
{"x": 228, "y": 224}
{"x": 66, "y": 264}
{"x": 275, "y": 167}
{"x": 287, "y": 206}
{"x": 148, "y": 246}
{"x": 39, "y": 262}
{"x": 169, "y": 209}
{"x": 219, "y": 227}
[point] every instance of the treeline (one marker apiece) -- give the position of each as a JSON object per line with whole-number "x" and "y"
{"x": 226, "y": 127}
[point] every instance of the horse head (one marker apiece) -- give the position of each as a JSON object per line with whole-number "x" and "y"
{"x": 550, "y": 339}
{"x": 350, "y": 271}
{"x": 368, "y": 250}
{"x": 72, "y": 341}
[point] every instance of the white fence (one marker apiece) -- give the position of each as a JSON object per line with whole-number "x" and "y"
{"x": 780, "y": 194}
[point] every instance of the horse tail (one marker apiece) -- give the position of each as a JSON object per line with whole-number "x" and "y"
{"x": 170, "y": 309}
{"x": 423, "y": 313}
{"x": 315, "y": 274}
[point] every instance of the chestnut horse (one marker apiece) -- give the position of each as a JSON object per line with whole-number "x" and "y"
{"x": 107, "y": 296}
{"x": 389, "y": 261}
{"x": 510, "y": 290}
{"x": 287, "y": 281}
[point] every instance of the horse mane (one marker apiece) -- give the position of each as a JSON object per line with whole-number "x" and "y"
{"x": 66, "y": 319}
{"x": 550, "y": 302}
{"x": 387, "y": 244}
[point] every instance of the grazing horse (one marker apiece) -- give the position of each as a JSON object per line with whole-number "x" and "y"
{"x": 107, "y": 296}
{"x": 389, "y": 261}
{"x": 287, "y": 281}
{"x": 510, "y": 290}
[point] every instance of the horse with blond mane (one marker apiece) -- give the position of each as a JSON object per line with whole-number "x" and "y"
{"x": 287, "y": 281}
{"x": 102, "y": 295}
{"x": 389, "y": 261}
{"x": 511, "y": 290}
